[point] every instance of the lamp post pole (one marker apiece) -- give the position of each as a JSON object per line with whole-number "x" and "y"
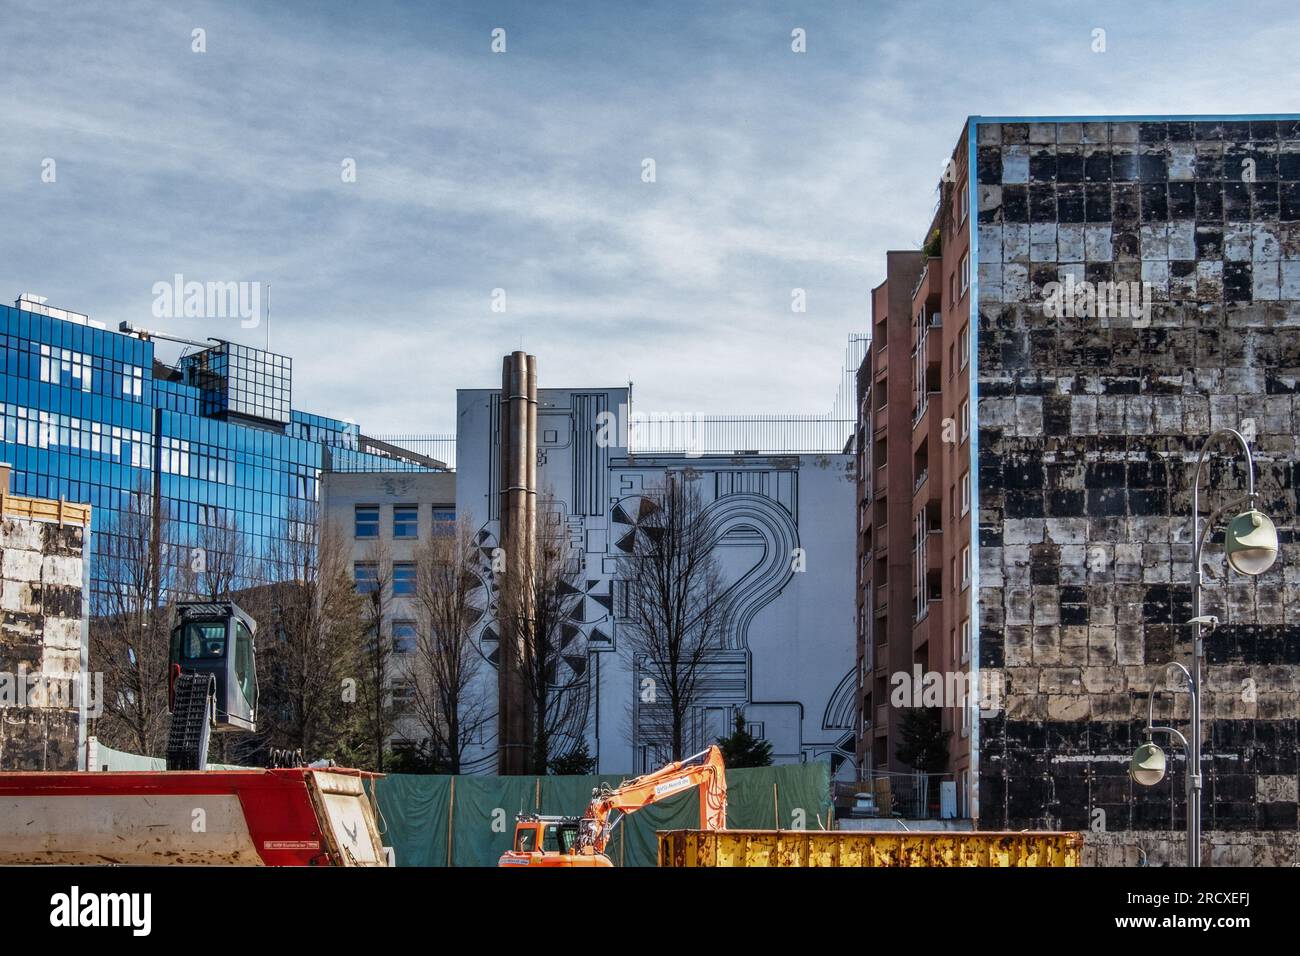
{"x": 1200, "y": 532}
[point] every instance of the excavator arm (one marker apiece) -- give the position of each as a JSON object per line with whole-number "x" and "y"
{"x": 704, "y": 770}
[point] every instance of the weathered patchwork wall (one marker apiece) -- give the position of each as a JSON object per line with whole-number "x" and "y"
{"x": 41, "y": 633}
{"x": 1089, "y": 428}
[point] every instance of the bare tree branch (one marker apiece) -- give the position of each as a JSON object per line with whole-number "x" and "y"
{"x": 676, "y": 609}
{"x": 539, "y": 603}
{"x": 444, "y": 665}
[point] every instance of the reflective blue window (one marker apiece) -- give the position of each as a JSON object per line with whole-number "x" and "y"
{"x": 404, "y": 637}
{"x": 444, "y": 521}
{"x": 403, "y": 579}
{"x": 366, "y": 575}
{"x": 367, "y": 521}
{"x": 406, "y": 521}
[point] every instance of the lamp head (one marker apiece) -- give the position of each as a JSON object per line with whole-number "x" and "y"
{"x": 1250, "y": 543}
{"x": 1148, "y": 765}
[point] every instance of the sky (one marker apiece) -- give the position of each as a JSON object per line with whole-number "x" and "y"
{"x": 500, "y": 198}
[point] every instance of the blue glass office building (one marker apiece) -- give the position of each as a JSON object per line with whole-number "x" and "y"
{"x": 90, "y": 416}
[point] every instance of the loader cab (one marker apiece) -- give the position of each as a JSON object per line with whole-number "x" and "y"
{"x": 218, "y": 638}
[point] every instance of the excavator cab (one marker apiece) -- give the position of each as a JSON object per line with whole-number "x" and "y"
{"x": 212, "y": 678}
{"x": 546, "y": 841}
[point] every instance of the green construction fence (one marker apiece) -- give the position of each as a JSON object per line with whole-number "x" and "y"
{"x": 470, "y": 820}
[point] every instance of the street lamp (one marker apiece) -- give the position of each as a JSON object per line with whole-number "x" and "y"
{"x": 1148, "y": 767}
{"x": 1149, "y": 764}
{"x": 1250, "y": 545}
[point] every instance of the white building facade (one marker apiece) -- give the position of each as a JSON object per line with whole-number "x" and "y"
{"x": 786, "y": 554}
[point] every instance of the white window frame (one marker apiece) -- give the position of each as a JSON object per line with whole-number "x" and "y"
{"x": 965, "y": 494}
{"x": 963, "y": 345}
{"x": 966, "y": 640}
{"x": 965, "y": 272}
{"x": 964, "y": 414}
{"x": 965, "y": 567}
{"x": 963, "y": 200}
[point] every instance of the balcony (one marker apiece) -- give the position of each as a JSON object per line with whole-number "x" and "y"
{"x": 881, "y": 721}
{"x": 934, "y": 554}
{"x": 929, "y": 286}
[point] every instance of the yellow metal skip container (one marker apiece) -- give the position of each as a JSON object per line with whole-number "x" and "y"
{"x": 856, "y": 848}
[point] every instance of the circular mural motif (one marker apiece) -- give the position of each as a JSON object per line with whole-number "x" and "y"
{"x": 633, "y": 524}
{"x": 588, "y": 604}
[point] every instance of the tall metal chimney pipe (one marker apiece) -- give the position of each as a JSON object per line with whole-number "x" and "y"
{"x": 518, "y": 538}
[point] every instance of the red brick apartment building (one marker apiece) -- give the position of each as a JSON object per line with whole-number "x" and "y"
{"x": 915, "y": 601}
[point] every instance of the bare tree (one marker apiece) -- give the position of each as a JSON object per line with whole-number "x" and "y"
{"x": 222, "y": 562}
{"x": 130, "y": 626}
{"x": 539, "y": 602}
{"x": 677, "y": 610}
{"x": 444, "y": 666}
{"x": 377, "y": 592}
{"x": 310, "y": 625}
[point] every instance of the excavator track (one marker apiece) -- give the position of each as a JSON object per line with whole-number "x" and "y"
{"x": 187, "y": 741}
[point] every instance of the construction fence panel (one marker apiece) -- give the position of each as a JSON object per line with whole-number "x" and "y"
{"x": 792, "y": 797}
{"x": 417, "y": 808}
{"x": 483, "y": 816}
{"x": 413, "y": 814}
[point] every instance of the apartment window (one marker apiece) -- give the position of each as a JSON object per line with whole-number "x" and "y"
{"x": 963, "y": 202}
{"x": 965, "y": 273}
{"x": 965, "y": 493}
{"x": 965, "y": 418}
{"x": 952, "y": 361}
{"x": 965, "y": 639}
{"x": 963, "y": 344}
{"x": 952, "y": 288}
{"x": 954, "y": 573}
{"x": 406, "y": 521}
{"x": 965, "y": 567}
{"x": 403, "y": 637}
{"x": 367, "y": 521}
{"x": 366, "y": 574}
{"x": 403, "y": 696}
{"x": 403, "y": 578}
{"x": 965, "y": 717}
{"x": 444, "y": 521}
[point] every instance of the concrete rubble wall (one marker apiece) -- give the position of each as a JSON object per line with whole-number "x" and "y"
{"x": 1088, "y": 431}
{"x": 41, "y": 634}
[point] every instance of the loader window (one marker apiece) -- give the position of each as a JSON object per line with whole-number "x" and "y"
{"x": 560, "y": 838}
{"x": 205, "y": 641}
{"x": 526, "y": 840}
{"x": 244, "y": 661}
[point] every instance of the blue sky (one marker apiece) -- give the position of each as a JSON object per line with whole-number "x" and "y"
{"x": 522, "y": 171}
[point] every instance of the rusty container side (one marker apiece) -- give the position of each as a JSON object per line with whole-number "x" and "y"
{"x": 852, "y": 849}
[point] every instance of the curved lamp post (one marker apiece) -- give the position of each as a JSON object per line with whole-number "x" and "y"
{"x": 1250, "y": 545}
{"x": 1148, "y": 765}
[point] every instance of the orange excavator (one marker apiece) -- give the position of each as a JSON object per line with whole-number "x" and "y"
{"x": 581, "y": 841}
